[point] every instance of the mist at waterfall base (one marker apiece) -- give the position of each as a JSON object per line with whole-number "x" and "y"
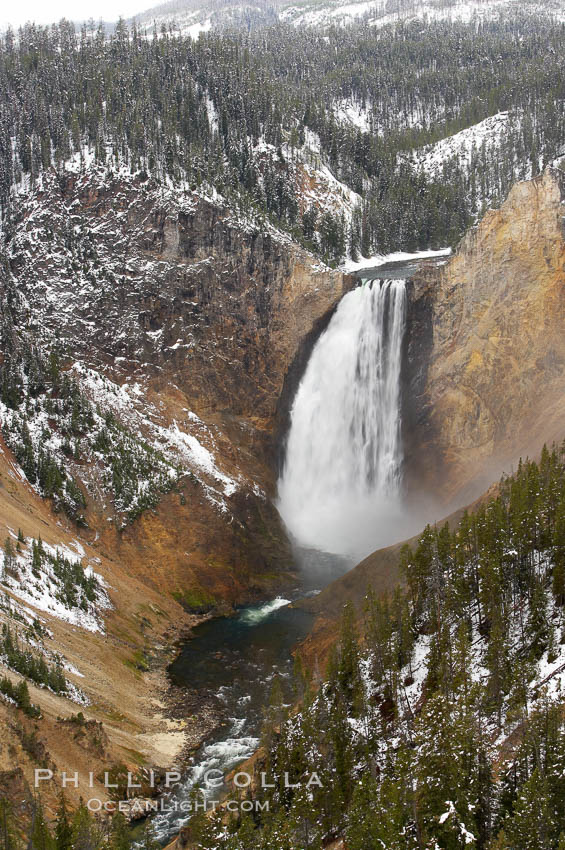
{"x": 341, "y": 487}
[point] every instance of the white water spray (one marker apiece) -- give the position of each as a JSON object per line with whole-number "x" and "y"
{"x": 341, "y": 484}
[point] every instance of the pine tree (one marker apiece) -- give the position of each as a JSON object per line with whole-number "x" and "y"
{"x": 538, "y": 626}
{"x": 85, "y": 834}
{"x": 149, "y": 840}
{"x": 63, "y": 828}
{"x": 348, "y": 678}
{"x": 40, "y": 837}
{"x": 380, "y": 816}
{"x": 8, "y": 839}
{"x": 448, "y": 770}
{"x": 9, "y": 556}
{"x": 500, "y": 842}
{"x": 303, "y": 821}
{"x": 22, "y": 697}
{"x": 35, "y": 559}
{"x": 498, "y": 662}
{"x": 532, "y": 824}
{"x": 119, "y": 833}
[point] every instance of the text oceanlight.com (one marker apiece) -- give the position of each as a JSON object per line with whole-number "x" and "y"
{"x": 192, "y": 806}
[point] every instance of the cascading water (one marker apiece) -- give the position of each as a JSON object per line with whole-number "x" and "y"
{"x": 340, "y": 490}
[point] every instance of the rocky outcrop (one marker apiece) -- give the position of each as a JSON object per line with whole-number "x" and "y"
{"x": 171, "y": 286}
{"x": 205, "y": 315}
{"x": 485, "y": 376}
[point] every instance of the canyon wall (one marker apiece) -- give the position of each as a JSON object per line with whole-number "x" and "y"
{"x": 170, "y": 285}
{"x": 204, "y": 317}
{"x": 485, "y": 374}
{"x": 189, "y": 324}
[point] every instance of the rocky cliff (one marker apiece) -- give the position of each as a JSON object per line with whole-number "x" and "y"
{"x": 485, "y": 373}
{"x": 199, "y": 317}
{"x": 183, "y": 326}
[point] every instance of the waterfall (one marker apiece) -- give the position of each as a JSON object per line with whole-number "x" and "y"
{"x": 340, "y": 489}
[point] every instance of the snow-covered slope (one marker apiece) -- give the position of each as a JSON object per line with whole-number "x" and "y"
{"x": 350, "y": 111}
{"x": 462, "y": 10}
{"x": 192, "y": 17}
{"x": 474, "y": 151}
{"x": 381, "y": 12}
{"x": 54, "y": 580}
{"x": 319, "y": 188}
{"x": 486, "y": 135}
{"x": 316, "y": 13}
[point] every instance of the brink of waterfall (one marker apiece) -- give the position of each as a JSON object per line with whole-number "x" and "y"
{"x": 340, "y": 489}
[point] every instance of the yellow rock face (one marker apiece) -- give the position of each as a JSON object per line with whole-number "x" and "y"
{"x": 495, "y": 381}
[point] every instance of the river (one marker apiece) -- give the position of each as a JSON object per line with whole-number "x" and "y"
{"x": 236, "y": 659}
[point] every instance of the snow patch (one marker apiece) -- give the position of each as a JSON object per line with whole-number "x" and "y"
{"x": 43, "y": 589}
{"x": 396, "y": 257}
